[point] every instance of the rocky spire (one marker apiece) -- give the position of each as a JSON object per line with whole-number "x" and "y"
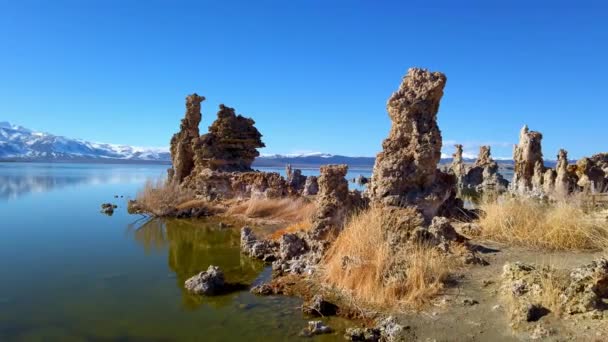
{"x": 526, "y": 154}
{"x": 484, "y": 158}
{"x": 405, "y": 172}
{"x": 230, "y": 145}
{"x": 332, "y": 200}
{"x": 182, "y": 154}
{"x": 458, "y": 168}
{"x": 562, "y": 180}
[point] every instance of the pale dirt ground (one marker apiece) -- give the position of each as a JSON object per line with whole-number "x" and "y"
{"x": 449, "y": 319}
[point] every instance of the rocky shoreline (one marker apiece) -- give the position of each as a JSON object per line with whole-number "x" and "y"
{"x": 418, "y": 203}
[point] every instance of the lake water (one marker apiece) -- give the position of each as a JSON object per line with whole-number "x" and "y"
{"x": 70, "y": 273}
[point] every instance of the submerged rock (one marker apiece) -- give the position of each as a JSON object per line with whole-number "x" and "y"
{"x": 405, "y": 172}
{"x": 108, "y": 208}
{"x": 210, "y": 282}
{"x": 318, "y": 306}
{"x": 316, "y": 328}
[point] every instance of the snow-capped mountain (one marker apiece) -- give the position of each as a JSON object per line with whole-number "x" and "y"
{"x": 20, "y": 143}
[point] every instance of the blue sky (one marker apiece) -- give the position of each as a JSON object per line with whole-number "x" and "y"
{"x": 315, "y": 75}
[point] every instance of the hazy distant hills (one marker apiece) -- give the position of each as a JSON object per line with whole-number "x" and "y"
{"x": 18, "y": 143}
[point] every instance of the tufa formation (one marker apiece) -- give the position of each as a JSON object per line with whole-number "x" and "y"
{"x": 182, "y": 154}
{"x": 526, "y": 155}
{"x": 405, "y": 172}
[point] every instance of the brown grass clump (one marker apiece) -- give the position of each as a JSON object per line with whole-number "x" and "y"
{"x": 562, "y": 225}
{"x": 161, "y": 197}
{"x": 301, "y": 226}
{"x": 362, "y": 264}
{"x": 284, "y": 209}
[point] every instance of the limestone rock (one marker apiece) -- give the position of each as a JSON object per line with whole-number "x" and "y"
{"x": 230, "y": 145}
{"x": 527, "y": 153}
{"x": 457, "y": 167}
{"x": 588, "y": 287}
{"x": 259, "y": 249}
{"x": 405, "y": 172}
{"x": 311, "y": 187}
{"x": 316, "y": 328}
{"x": 182, "y": 155}
{"x": 217, "y": 185}
{"x": 210, "y": 282}
{"x": 291, "y": 246}
{"x": 484, "y": 176}
{"x": 332, "y": 201}
{"x": 564, "y": 184}
{"x": 538, "y": 176}
{"x": 590, "y": 175}
{"x": 295, "y": 180}
{"x": 549, "y": 180}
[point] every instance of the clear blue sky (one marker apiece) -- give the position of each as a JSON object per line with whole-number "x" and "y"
{"x": 314, "y": 74}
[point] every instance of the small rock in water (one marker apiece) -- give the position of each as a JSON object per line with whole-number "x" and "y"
{"x": 210, "y": 282}
{"x": 318, "y": 306}
{"x": 108, "y": 208}
{"x": 262, "y": 290}
{"x": 316, "y": 328}
{"x": 362, "y": 334}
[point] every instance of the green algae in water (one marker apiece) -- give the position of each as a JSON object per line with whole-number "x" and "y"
{"x": 70, "y": 273}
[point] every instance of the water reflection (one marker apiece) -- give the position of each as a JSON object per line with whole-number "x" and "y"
{"x": 19, "y": 179}
{"x": 192, "y": 246}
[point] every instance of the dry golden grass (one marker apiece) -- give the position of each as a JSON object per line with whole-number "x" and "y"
{"x": 362, "y": 264}
{"x": 300, "y": 226}
{"x": 562, "y": 225}
{"x": 161, "y": 197}
{"x": 283, "y": 209}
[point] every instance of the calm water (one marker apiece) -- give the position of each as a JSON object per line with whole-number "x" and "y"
{"x": 70, "y": 273}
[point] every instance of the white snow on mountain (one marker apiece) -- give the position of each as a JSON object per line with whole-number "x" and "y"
{"x": 17, "y": 142}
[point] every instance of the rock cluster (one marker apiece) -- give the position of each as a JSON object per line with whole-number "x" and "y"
{"x": 182, "y": 154}
{"x": 298, "y": 253}
{"x": 210, "y": 282}
{"x": 295, "y": 180}
{"x": 218, "y": 185}
{"x": 581, "y": 291}
{"x": 527, "y": 156}
{"x": 405, "y": 172}
{"x": 230, "y": 145}
{"x": 482, "y": 176}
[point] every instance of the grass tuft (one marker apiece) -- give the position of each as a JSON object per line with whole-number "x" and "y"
{"x": 362, "y": 264}
{"x": 284, "y": 209}
{"x": 562, "y": 225}
{"x": 160, "y": 197}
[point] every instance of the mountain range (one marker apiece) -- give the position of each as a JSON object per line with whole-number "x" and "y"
{"x": 18, "y": 143}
